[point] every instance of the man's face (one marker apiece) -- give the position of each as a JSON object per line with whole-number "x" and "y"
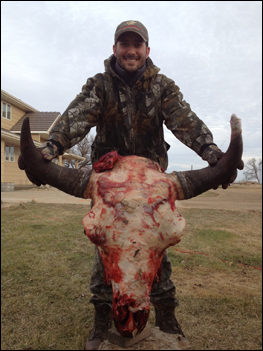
{"x": 131, "y": 51}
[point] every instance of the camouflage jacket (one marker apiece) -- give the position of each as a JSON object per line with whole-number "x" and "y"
{"x": 130, "y": 120}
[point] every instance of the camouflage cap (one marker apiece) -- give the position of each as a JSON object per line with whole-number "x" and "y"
{"x": 132, "y": 26}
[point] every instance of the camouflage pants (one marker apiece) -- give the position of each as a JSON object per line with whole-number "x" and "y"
{"x": 102, "y": 294}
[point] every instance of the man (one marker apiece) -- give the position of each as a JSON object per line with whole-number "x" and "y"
{"x": 128, "y": 104}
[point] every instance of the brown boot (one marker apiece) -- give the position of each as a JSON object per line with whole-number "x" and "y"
{"x": 101, "y": 325}
{"x": 165, "y": 318}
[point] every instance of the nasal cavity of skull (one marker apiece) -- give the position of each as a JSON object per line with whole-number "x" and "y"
{"x": 125, "y": 314}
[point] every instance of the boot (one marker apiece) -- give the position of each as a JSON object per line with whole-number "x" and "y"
{"x": 165, "y": 318}
{"x": 102, "y": 323}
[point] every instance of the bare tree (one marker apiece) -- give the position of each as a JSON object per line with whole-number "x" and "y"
{"x": 83, "y": 148}
{"x": 252, "y": 168}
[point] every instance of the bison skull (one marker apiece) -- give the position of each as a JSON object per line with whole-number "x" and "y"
{"x": 133, "y": 220}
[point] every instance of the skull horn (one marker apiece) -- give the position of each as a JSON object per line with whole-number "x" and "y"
{"x": 71, "y": 181}
{"x": 196, "y": 182}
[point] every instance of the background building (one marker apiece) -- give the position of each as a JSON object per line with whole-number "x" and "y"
{"x": 13, "y": 112}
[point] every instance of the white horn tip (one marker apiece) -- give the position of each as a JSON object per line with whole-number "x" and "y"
{"x": 235, "y": 123}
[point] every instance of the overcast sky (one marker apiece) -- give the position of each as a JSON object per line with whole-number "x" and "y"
{"x": 211, "y": 49}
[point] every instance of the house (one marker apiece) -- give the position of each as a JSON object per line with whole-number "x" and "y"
{"x": 13, "y": 112}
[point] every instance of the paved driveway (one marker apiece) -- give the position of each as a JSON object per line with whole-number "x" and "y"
{"x": 51, "y": 195}
{"x": 237, "y": 197}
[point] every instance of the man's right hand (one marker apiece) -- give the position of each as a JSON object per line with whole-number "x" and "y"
{"x": 48, "y": 151}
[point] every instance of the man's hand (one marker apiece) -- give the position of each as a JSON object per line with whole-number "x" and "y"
{"x": 48, "y": 151}
{"x": 212, "y": 154}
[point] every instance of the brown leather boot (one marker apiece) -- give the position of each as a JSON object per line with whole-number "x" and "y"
{"x": 165, "y": 318}
{"x": 102, "y": 323}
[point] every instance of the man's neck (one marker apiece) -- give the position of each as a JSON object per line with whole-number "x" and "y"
{"x": 130, "y": 78}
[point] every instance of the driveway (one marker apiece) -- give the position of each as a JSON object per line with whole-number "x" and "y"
{"x": 51, "y": 195}
{"x": 236, "y": 197}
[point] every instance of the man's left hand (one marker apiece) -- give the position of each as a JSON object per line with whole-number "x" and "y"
{"x": 212, "y": 154}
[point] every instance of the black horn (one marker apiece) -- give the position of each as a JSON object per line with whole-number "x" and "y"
{"x": 71, "y": 181}
{"x": 196, "y": 182}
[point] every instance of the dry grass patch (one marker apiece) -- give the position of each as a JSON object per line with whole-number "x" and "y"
{"x": 47, "y": 263}
{"x": 220, "y": 299}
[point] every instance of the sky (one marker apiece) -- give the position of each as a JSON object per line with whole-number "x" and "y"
{"x": 211, "y": 49}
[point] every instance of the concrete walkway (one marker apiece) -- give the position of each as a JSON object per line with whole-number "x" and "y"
{"x": 51, "y": 195}
{"x": 237, "y": 197}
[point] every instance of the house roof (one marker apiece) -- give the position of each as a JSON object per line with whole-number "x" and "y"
{"x": 40, "y": 122}
{"x": 15, "y": 140}
{"x": 5, "y": 96}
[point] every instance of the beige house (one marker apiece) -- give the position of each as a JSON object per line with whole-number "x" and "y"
{"x": 13, "y": 112}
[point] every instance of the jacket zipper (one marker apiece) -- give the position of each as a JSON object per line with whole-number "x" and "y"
{"x": 130, "y": 110}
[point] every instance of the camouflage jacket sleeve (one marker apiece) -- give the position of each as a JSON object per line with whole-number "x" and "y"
{"x": 81, "y": 115}
{"x": 182, "y": 121}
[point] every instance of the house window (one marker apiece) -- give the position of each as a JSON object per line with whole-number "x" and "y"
{"x": 10, "y": 153}
{"x": 6, "y": 111}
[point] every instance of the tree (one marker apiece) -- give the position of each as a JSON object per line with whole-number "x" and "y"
{"x": 83, "y": 148}
{"x": 252, "y": 169}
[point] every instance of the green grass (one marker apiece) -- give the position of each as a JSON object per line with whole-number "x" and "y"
{"x": 47, "y": 262}
{"x": 239, "y": 243}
